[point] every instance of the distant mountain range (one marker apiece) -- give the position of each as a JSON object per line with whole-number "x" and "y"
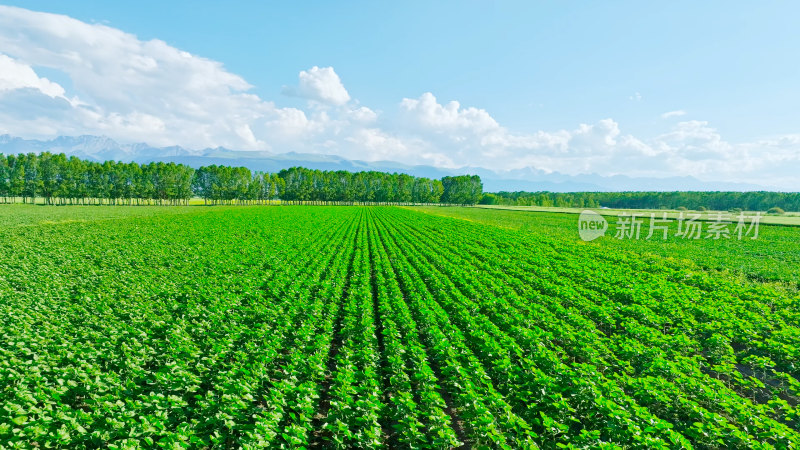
{"x": 103, "y": 148}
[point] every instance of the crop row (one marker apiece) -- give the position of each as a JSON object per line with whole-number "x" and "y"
{"x": 378, "y": 327}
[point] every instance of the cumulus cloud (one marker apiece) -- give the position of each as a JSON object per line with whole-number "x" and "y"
{"x": 694, "y": 140}
{"x": 429, "y": 114}
{"x": 671, "y": 114}
{"x": 475, "y": 136}
{"x": 320, "y": 84}
{"x": 15, "y": 75}
{"x": 147, "y": 91}
{"x": 362, "y": 114}
{"x": 692, "y": 148}
{"x": 126, "y": 87}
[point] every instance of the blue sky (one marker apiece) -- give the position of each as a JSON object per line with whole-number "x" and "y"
{"x": 727, "y": 70}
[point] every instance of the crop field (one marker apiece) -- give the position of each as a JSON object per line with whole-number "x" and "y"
{"x": 383, "y": 327}
{"x": 786, "y": 218}
{"x": 773, "y": 257}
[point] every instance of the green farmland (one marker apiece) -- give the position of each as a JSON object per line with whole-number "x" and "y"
{"x": 790, "y": 218}
{"x": 388, "y": 327}
{"x": 773, "y": 257}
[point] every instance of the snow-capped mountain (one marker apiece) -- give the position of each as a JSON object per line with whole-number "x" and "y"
{"x": 103, "y": 148}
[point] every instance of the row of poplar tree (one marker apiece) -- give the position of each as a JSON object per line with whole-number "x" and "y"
{"x": 59, "y": 179}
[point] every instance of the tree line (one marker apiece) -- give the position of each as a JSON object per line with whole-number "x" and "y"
{"x": 59, "y": 179}
{"x": 695, "y": 200}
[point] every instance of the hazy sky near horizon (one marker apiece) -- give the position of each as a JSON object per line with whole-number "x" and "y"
{"x": 707, "y": 89}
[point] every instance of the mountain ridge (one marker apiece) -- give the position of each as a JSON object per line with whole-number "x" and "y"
{"x": 102, "y": 148}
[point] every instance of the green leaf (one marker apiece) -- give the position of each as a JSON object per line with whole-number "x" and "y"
{"x": 20, "y": 420}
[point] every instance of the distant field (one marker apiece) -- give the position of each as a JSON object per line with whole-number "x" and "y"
{"x": 386, "y": 327}
{"x": 774, "y": 256}
{"x": 789, "y": 218}
{"x": 19, "y": 214}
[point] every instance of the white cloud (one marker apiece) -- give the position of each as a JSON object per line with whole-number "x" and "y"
{"x": 380, "y": 144}
{"x": 429, "y": 114}
{"x": 362, "y": 114}
{"x": 135, "y": 91}
{"x": 472, "y": 137}
{"x": 320, "y": 84}
{"x": 130, "y": 89}
{"x": 671, "y": 114}
{"x": 694, "y": 140}
{"x": 635, "y": 97}
{"x": 289, "y": 122}
{"x": 15, "y": 75}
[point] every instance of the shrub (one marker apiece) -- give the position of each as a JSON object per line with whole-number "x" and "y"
{"x": 488, "y": 199}
{"x": 702, "y": 208}
{"x": 735, "y": 210}
{"x": 775, "y": 210}
{"x": 681, "y": 208}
